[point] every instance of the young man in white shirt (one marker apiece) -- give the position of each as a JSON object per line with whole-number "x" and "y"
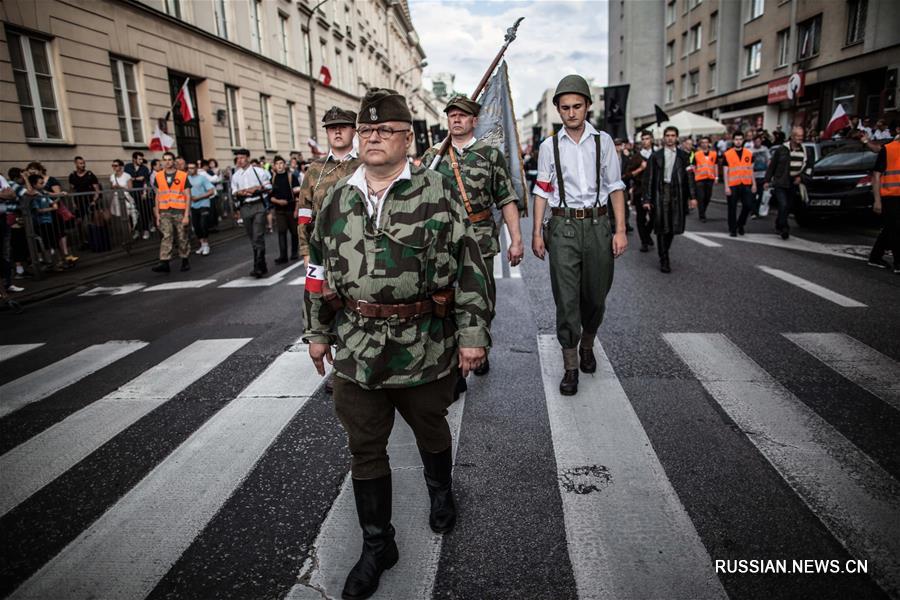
{"x": 249, "y": 184}
{"x": 578, "y": 175}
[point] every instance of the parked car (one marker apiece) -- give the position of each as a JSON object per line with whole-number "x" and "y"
{"x": 838, "y": 184}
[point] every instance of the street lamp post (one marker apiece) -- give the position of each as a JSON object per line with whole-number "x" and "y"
{"x": 312, "y": 78}
{"x": 421, "y": 65}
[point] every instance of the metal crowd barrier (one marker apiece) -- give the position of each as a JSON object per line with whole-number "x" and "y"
{"x": 54, "y": 233}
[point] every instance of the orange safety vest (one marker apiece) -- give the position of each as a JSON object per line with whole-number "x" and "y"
{"x": 171, "y": 198}
{"x": 704, "y": 165}
{"x": 740, "y": 170}
{"x": 890, "y": 179}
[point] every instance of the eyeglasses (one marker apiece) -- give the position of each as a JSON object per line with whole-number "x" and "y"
{"x": 384, "y": 132}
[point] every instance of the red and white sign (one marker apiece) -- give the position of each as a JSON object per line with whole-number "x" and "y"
{"x": 787, "y": 88}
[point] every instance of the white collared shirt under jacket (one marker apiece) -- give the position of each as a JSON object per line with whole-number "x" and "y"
{"x": 579, "y": 169}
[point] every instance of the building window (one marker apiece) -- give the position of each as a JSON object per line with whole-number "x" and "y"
{"x": 266, "y": 124}
{"x": 128, "y": 101}
{"x": 684, "y": 87}
{"x": 684, "y": 7}
{"x": 172, "y": 7}
{"x": 752, "y": 58}
{"x": 338, "y": 68}
{"x": 670, "y": 92}
{"x": 351, "y": 73}
{"x": 712, "y": 76}
{"x": 755, "y": 9}
{"x": 694, "y": 83}
{"x": 33, "y": 75}
{"x": 856, "y": 20}
{"x": 221, "y": 19}
{"x": 808, "y": 34}
{"x": 292, "y": 134}
{"x": 670, "y": 13}
{"x": 256, "y": 25}
{"x": 307, "y": 51}
{"x": 684, "y": 43}
{"x": 714, "y": 26}
{"x": 696, "y": 37}
{"x": 231, "y": 109}
{"x": 323, "y": 48}
{"x": 694, "y": 3}
{"x": 283, "y": 31}
{"x": 784, "y": 48}
{"x": 670, "y": 53}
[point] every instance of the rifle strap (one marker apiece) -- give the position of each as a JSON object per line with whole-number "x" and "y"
{"x": 454, "y": 164}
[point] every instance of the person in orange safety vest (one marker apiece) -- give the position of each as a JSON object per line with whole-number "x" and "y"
{"x": 706, "y": 173}
{"x": 173, "y": 213}
{"x": 886, "y": 189}
{"x": 739, "y": 183}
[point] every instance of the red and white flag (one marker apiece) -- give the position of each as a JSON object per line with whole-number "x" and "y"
{"x": 184, "y": 99}
{"x": 325, "y": 75}
{"x": 160, "y": 142}
{"x": 314, "y": 147}
{"x": 304, "y": 216}
{"x": 839, "y": 120}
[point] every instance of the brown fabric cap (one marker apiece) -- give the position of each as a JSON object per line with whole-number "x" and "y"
{"x": 381, "y": 104}
{"x": 339, "y": 116}
{"x": 462, "y": 102}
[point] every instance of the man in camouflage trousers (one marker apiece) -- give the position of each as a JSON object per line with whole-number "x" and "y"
{"x": 397, "y": 284}
{"x": 172, "y": 212}
{"x": 479, "y": 172}
{"x": 340, "y": 126}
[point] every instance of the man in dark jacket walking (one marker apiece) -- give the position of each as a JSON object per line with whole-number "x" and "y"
{"x": 669, "y": 191}
{"x": 783, "y": 175}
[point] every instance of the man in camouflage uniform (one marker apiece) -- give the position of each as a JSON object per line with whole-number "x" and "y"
{"x": 479, "y": 172}
{"x": 340, "y": 126}
{"x": 391, "y": 247}
{"x": 172, "y": 212}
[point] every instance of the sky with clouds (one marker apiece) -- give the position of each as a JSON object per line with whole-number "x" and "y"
{"x": 556, "y": 38}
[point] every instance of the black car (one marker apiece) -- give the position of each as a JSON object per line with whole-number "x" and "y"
{"x": 838, "y": 185}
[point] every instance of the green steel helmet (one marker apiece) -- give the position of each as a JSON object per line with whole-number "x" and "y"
{"x": 572, "y": 84}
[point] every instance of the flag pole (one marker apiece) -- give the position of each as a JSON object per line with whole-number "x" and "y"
{"x": 507, "y": 40}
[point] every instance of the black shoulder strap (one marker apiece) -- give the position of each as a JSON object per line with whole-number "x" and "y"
{"x": 559, "y": 173}
{"x": 599, "y": 167}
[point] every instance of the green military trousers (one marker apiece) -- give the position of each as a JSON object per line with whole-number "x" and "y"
{"x": 581, "y": 274}
{"x": 491, "y": 284}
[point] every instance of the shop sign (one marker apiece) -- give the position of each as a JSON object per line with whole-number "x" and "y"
{"x": 787, "y": 88}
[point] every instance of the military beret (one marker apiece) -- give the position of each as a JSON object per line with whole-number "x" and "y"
{"x": 462, "y": 102}
{"x": 242, "y": 152}
{"x": 339, "y": 116}
{"x": 381, "y": 104}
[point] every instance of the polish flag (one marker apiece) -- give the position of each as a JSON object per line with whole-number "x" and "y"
{"x": 839, "y": 120}
{"x": 325, "y": 75}
{"x": 160, "y": 142}
{"x": 315, "y": 278}
{"x": 304, "y": 216}
{"x": 184, "y": 99}
{"x": 314, "y": 147}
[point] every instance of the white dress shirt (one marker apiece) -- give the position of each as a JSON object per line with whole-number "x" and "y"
{"x": 668, "y": 163}
{"x": 579, "y": 168}
{"x": 245, "y": 178}
{"x": 374, "y": 204}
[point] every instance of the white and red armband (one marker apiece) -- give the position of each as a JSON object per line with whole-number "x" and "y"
{"x": 304, "y": 216}
{"x": 315, "y": 278}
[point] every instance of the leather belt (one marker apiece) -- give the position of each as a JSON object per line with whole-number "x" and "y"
{"x": 386, "y": 311}
{"x": 483, "y": 215}
{"x": 578, "y": 213}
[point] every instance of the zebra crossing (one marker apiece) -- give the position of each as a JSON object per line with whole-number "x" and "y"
{"x": 617, "y": 499}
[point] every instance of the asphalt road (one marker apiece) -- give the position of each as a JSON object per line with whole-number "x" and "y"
{"x": 221, "y": 473}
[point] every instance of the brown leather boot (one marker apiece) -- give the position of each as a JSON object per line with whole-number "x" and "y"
{"x": 588, "y": 363}
{"x": 569, "y": 384}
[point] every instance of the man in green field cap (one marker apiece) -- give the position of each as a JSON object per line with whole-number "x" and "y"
{"x": 397, "y": 284}
{"x": 578, "y": 175}
{"x": 479, "y": 172}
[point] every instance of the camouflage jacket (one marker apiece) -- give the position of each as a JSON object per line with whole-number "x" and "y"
{"x": 321, "y": 175}
{"x": 424, "y": 243}
{"x": 487, "y": 181}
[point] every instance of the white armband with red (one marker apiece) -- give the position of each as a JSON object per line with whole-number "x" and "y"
{"x": 304, "y": 216}
{"x": 315, "y": 278}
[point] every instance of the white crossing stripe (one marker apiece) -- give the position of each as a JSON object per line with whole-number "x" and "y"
{"x": 852, "y": 251}
{"x": 617, "y": 501}
{"x": 864, "y": 366}
{"x": 856, "y": 499}
{"x": 35, "y": 463}
{"x": 52, "y": 378}
{"x": 813, "y": 288}
{"x": 336, "y": 548}
{"x": 701, "y": 240}
{"x": 180, "y": 285}
{"x": 515, "y": 272}
{"x": 116, "y": 290}
{"x": 298, "y": 281}
{"x": 9, "y": 351}
{"x": 274, "y": 279}
{"x": 126, "y": 552}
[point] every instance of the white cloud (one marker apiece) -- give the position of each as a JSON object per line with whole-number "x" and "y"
{"x": 556, "y": 38}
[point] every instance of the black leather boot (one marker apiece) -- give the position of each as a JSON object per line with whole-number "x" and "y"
{"x": 161, "y": 267}
{"x": 664, "y": 264}
{"x": 483, "y": 369}
{"x": 569, "y": 384}
{"x": 461, "y": 387}
{"x": 185, "y": 264}
{"x": 588, "y": 363}
{"x": 379, "y": 551}
{"x": 439, "y": 479}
